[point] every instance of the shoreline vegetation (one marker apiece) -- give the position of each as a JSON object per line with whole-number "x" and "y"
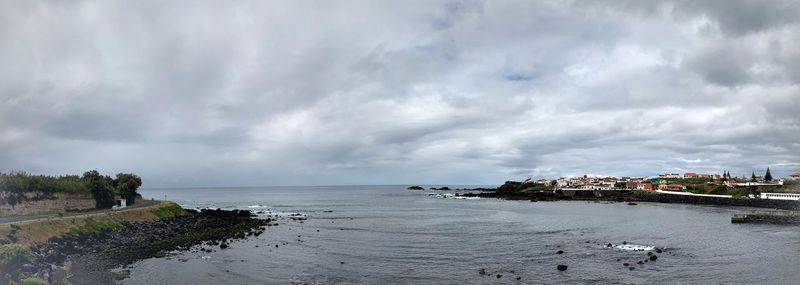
{"x": 18, "y": 187}
{"x": 91, "y": 245}
{"x": 91, "y": 249}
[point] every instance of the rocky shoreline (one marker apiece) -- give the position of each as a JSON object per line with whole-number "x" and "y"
{"x": 509, "y": 191}
{"x": 90, "y": 257}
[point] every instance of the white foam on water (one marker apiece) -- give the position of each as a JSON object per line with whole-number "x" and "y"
{"x": 466, "y": 198}
{"x": 256, "y": 206}
{"x": 634, "y": 247}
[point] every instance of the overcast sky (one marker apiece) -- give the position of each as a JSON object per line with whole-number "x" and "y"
{"x": 225, "y": 93}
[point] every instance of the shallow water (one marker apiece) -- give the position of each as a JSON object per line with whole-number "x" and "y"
{"x": 386, "y": 234}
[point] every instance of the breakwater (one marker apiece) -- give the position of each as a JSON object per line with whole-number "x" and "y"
{"x": 638, "y": 196}
{"x": 767, "y": 217}
{"x": 719, "y": 201}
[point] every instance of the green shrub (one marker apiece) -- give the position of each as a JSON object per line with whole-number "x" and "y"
{"x": 169, "y": 211}
{"x": 33, "y": 281}
{"x": 92, "y": 226}
{"x": 12, "y": 257}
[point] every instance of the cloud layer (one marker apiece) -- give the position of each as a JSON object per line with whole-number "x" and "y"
{"x": 362, "y": 92}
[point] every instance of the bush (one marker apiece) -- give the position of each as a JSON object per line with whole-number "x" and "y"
{"x": 21, "y": 182}
{"x": 102, "y": 187}
{"x": 92, "y": 226}
{"x": 33, "y": 281}
{"x": 12, "y": 257}
{"x": 169, "y": 211}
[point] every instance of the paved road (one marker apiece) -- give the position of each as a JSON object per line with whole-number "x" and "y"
{"x": 144, "y": 203}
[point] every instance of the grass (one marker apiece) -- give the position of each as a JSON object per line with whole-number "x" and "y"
{"x": 91, "y": 225}
{"x": 33, "y": 281}
{"x": 169, "y": 211}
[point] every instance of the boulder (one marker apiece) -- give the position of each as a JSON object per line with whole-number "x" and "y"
{"x": 120, "y": 274}
{"x": 561, "y": 267}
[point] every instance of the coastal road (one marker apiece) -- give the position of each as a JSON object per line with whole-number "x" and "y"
{"x": 143, "y": 203}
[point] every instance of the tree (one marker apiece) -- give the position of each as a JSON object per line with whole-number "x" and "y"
{"x": 753, "y": 177}
{"x": 127, "y": 184}
{"x": 101, "y": 189}
{"x": 768, "y": 176}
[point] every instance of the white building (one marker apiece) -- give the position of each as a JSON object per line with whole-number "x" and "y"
{"x": 780, "y": 196}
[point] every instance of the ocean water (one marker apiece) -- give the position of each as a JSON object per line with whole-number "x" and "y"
{"x": 389, "y": 235}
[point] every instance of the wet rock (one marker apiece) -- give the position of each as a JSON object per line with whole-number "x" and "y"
{"x": 560, "y": 252}
{"x": 482, "y": 271}
{"x": 624, "y": 242}
{"x": 631, "y": 268}
{"x": 561, "y": 267}
{"x": 654, "y": 257}
{"x": 499, "y": 275}
{"x": 609, "y": 245}
{"x": 120, "y": 274}
{"x": 658, "y": 250}
{"x": 640, "y": 262}
{"x": 625, "y": 264}
{"x": 632, "y": 204}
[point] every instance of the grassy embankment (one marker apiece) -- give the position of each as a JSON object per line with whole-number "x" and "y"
{"x": 17, "y": 238}
{"x": 38, "y": 231}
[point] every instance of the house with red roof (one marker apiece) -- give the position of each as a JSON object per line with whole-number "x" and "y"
{"x": 795, "y": 176}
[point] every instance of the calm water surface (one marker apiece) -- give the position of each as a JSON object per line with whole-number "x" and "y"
{"x": 386, "y": 234}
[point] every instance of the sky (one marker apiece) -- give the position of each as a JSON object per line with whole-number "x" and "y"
{"x": 252, "y": 93}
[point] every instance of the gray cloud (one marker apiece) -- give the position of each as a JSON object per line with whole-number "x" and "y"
{"x": 268, "y": 93}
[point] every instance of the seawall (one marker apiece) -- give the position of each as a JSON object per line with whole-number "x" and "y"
{"x": 767, "y": 217}
{"x": 35, "y": 203}
{"x": 640, "y": 196}
{"x": 701, "y": 200}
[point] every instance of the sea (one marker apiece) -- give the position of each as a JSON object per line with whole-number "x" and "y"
{"x": 391, "y": 235}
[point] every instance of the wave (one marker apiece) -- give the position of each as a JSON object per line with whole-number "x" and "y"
{"x": 634, "y": 247}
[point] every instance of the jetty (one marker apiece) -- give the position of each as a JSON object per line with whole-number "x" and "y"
{"x": 767, "y": 217}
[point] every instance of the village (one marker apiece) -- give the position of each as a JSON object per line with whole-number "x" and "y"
{"x": 687, "y": 183}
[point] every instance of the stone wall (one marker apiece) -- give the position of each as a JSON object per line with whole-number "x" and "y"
{"x": 767, "y": 217}
{"x": 41, "y": 203}
{"x": 641, "y": 196}
{"x": 742, "y": 202}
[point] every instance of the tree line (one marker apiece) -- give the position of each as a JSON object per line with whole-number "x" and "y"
{"x": 103, "y": 188}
